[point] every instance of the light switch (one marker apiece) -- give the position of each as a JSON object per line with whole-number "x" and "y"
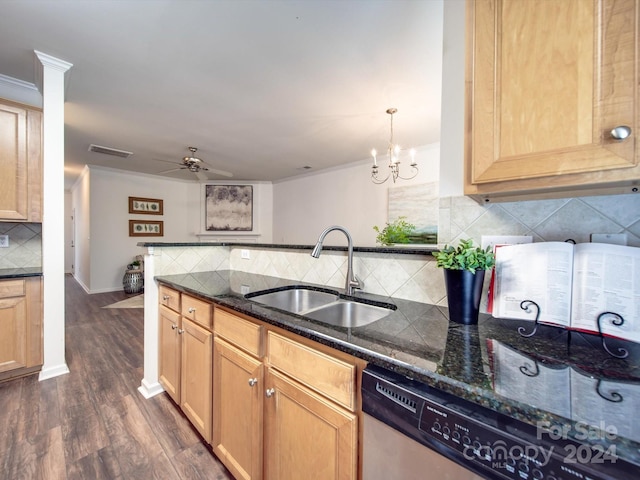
{"x": 4, "y": 241}
{"x": 245, "y": 254}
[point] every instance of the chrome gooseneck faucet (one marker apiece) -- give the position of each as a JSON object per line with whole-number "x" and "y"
{"x": 352, "y": 281}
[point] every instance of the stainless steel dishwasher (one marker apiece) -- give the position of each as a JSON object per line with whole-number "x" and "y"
{"x": 413, "y": 431}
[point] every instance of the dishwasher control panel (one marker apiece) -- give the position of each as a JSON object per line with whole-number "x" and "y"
{"x": 487, "y": 442}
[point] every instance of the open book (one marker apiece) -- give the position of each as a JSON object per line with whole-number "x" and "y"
{"x": 566, "y": 390}
{"x": 572, "y": 285}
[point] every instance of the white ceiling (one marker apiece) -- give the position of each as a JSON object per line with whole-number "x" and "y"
{"x": 262, "y": 88}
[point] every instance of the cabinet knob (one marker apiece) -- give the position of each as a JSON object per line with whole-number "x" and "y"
{"x": 621, "y": 132}
{"x": 166, "y": 297}
{"x": 180, "y": 331}
{"x": 192, "y": 309}
{"x": 252, "y": 382}
{"x": 269, "y": 392}
{"x": 174, "y": 326}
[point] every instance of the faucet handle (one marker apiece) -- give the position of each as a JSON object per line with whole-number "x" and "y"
{"x": 357, "y": 283}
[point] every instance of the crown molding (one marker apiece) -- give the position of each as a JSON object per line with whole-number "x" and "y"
{"x": 44, "y": 60}
{"x": 19, "y": 91}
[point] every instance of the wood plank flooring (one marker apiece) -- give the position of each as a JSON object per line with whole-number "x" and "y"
{"x": 93, "y": 423}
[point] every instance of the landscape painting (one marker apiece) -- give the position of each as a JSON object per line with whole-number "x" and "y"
{"x": 420, "y": 205}
{"x": 229, "y": 208}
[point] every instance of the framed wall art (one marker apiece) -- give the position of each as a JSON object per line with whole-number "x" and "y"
{"x": 146, "y": 228}
{"x": 229, "y": 208}
{"x": 146, "y": 206}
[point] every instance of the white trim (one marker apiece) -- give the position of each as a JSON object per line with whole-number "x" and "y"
{"x": 54, "y": 371}
{"x": 20, "y": 91}
{"x": 150, "y": 390}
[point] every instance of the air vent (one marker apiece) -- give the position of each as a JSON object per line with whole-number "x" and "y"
{"x": 109, "y": 151}
{"x": 397, "y": 397}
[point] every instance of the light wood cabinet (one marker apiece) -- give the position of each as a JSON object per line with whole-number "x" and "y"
{"x": 20, "y": 163}
{"x": 238, "y": 389}
{"x": 546, "y": 84}
{"x": 307, "y": 436}
{"x": 298, "y": 420}
{"x": 21, "y": 350}
{"x": 185, "y": 360}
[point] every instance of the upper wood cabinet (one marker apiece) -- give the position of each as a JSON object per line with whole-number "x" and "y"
{"x": 546, "y": 84}
{"x": 20, "y": 163}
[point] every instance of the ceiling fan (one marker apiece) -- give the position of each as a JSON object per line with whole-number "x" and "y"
{"x": 195, "y": 165}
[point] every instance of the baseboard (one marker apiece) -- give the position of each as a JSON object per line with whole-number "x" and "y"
{"x": 51, "y": 372}
{"x": 150, "y": 390}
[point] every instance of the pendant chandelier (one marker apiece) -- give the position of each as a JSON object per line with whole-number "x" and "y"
{"x": 393, "y": 154}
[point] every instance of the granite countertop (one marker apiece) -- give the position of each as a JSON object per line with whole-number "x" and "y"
{"x": 20, "y": 272}
{"x": 563, "y": 379}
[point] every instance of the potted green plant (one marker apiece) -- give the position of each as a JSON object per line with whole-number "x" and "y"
{"x": 398, "y": 231}
{"x": 464, "y": 268}
{"x": 135, "y": 265}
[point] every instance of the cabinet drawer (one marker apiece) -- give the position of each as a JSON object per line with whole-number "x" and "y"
{"x": 197, "y": 310}
{"x": 327, "y": 375}
{"x": 240, "y": 332}
{"x": 12, "y": 288}
{"x": 169, "y": 298}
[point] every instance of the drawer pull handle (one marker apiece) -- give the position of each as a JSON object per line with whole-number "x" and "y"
{"x": 269, "y": 392}
{"x": 253, "y": 382}
{"x": 166, "y": 297}
{"x": 192, "y": 309}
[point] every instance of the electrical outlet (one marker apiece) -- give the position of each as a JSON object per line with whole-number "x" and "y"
{"x": 245, "y": 254}
{"x": 244, "y": 289}
{"x": 4, "y": 241}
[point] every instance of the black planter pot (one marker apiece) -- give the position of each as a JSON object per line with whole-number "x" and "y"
{"x": 464, "y": 290}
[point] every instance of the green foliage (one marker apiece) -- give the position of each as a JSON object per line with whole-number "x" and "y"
{"x": 395, "y": 232}
{"x": 465, "y": 257}
{"x": 135, "y": 263}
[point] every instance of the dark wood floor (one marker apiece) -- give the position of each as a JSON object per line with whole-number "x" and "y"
{"x": 93, "y": 423}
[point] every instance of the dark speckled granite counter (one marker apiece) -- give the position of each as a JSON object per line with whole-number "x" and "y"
{"x": 20, "y": 272}
{"x": 562, "y": 379}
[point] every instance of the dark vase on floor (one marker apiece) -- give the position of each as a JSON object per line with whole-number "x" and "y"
{"x": 464, "y": 290}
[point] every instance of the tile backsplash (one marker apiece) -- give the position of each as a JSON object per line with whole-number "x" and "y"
{"x": 416, "y": 277}
{"x": 545, "y": 220}
{"x": 25, "y": 245}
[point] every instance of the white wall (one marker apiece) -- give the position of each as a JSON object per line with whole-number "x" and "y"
{"x": 80, "y": 202}
{"x": 304, "y": 206}
{"x": 68, "y": 233}
{"x": 453, "y": 98}
{"x": 103, "y": 245}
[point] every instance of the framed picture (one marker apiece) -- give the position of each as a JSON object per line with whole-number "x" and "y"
{"x": 146, "y": 228}
{"x": 147, "y": 206}
{"x": 229, "y": 208}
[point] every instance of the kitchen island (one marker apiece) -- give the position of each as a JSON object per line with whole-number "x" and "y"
{"x": 476, "y": 363}
{"x": 560, "y": 383}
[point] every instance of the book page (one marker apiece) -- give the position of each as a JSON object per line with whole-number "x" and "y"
{"x": 540, "y": 272}
{"x": 609, "y": 405}
{"x": 607, "y": 279}
{"x": 519, "y": 377}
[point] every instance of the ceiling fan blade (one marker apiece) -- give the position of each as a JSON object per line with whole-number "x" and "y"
{"x": 215, "y": 171}
{"x": 171, "y": 170}
{"x": 201, "y": 176}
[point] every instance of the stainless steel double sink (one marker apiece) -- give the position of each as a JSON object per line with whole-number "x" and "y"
{"x": 322, "y": 306}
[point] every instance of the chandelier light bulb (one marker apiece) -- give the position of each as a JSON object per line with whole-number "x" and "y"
{"x": 393, "y": 154}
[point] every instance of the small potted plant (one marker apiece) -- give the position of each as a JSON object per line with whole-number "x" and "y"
{"x": 464, "y": 268}
{"x": 398, "y": 231}
{"x": 135, "y": 265}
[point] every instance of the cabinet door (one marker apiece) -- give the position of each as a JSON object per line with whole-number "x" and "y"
{"x": 306, "y": 436}
{"x": 20, "y": 163}
{"x": 13, "y": 341}
{"x": 237, "y": 412}
{"x": 548, "y": 81}
{"x": 170, "y": 352}
{"x": 195, "y": 375}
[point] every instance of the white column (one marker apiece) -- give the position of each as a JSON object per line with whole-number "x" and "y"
{"x": 53, "y": 71}
{"x": 150, "y": 385}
